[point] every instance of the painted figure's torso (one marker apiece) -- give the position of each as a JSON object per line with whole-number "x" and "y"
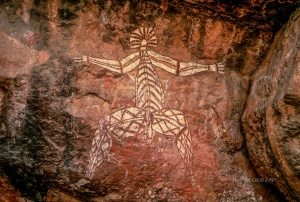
{"x": 149, "y": 94}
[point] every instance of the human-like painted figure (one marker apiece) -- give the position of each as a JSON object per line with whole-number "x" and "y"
{"x": 148, "y": 116}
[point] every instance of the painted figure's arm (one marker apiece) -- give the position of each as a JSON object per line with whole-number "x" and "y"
{"x": 182, "y": 68}
{"x": 125, "y": 65}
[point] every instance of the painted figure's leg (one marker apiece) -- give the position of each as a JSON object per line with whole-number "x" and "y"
{"x": 100, "y": 148}
{"x": 123, "y": 123}
{"x": 173, "y": 123}
{"x": 184, "y": 145}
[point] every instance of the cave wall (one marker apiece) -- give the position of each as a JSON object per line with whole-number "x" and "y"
{"x": 53, "y": 106}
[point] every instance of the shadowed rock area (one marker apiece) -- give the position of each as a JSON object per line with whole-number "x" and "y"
{"x": 76, "y": 128}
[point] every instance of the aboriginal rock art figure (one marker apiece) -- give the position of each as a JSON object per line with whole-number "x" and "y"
{"x": 148, "y": 117}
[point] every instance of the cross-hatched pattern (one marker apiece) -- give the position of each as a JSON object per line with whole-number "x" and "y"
{"x": 168, "y": 121}
{"x": 100, "y": 149}
{"x": 173, "y": 123}
{"x": 126, "y": 123}
{"x": 184, "y": 145}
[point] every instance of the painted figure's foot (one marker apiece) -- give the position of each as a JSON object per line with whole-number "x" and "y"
{"x": 80, "y": 183}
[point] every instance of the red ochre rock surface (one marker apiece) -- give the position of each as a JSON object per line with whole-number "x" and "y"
{"x": 8, "y": 192}
{"x": 50, "y": 106}
{"x": 272, "y": 118}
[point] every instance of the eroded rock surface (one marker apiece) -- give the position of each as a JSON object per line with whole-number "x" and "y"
{"x": 272, "y": 117}
{"x": 51, "y": 106}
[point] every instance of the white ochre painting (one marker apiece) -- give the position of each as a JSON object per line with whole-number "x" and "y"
{"x": 148, "y": 117}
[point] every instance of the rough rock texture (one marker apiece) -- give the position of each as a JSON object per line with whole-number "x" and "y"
{"x": 10, "y": 192}
{"x": 51, "y": 106}
{"x": 272, "y": 117}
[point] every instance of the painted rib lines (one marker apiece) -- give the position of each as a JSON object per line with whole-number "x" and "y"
{"x": 148, "y": 88}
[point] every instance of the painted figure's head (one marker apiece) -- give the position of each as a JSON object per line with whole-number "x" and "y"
{"x": 143, "y": 38}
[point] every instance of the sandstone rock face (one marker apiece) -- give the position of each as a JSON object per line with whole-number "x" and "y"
{"x": 272, "y": 118}
{"x": 54, "y": 111}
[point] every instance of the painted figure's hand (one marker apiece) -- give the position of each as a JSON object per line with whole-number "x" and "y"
{"x": 221, "y": 68}
{"x": 81, "y": 59}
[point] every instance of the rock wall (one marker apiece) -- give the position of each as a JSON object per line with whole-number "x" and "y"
{"x": 271, "y": 120}
{"x": 75, "y": 128}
